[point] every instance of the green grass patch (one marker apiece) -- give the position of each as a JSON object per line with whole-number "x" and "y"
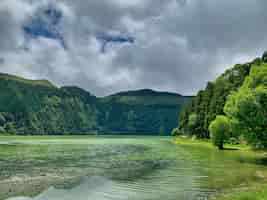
{"x": 259, "y": 192}
{"x": 236, "y": 173}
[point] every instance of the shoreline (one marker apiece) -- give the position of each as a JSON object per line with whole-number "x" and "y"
{"x": 255, "y": 190}
{"x": 32, "y": 182}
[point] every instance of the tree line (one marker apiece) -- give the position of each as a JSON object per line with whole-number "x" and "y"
{"x": 231, "y": 108}
{"x": 40, "y": 108}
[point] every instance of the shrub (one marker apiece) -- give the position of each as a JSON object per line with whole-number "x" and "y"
{"x": 2, "y": 130}
{"x": 176, "y": 132}
{"x": 219, "y": 129}
{"x": 2, "y": 120}
{"x": 233, "y": 141}
{"x": 10, "y": 128}
{"x": 192, "y": 120}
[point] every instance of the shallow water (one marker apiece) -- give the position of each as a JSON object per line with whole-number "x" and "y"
{"x": 115, "y": 168}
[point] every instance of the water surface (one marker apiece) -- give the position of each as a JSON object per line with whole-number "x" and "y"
{"x": 107, "y": 168}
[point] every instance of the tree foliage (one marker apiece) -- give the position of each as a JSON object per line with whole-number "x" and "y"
{"x": 210, "y": 102}
{"x": 39, "y": 107}
{"x": 192, "y": 120}
{"x": 219, "y": 129}
{"x": 175, "y": 132}
{"x": 2, "y": 119}
{"x": 247, "y": 108}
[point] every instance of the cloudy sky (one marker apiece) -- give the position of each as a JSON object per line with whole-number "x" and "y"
{"x": 105, "y": 46}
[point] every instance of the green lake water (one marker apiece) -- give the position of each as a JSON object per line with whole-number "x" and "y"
{"x": 120, "y": 168}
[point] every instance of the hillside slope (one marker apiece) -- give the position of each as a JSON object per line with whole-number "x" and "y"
{"x": 142, "y": 111}
{"x": 197, "y": 115}
{"x": 39, "y": 107}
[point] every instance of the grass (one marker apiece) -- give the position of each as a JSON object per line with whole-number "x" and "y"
{"x": 237, "y": 173}
{"x": 207, "y": 143}
{"x": 259, "y": 192}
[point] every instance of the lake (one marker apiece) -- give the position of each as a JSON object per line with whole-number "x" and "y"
{"x": 120, "y": 168}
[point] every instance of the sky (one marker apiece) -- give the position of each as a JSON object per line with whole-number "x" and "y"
{"x": 106, "y": 46}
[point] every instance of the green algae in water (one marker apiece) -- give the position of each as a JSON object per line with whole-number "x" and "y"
{"x": 137, "y": 168}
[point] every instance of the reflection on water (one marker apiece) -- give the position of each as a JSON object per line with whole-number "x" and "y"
{"x": 158, "y": 187}
{"x": 100, "y": 188}
{"x": 134, "y": 169}
{"x": 120, "y": 169}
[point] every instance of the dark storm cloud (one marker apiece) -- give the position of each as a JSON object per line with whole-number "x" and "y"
{"x": 172, "y": 45}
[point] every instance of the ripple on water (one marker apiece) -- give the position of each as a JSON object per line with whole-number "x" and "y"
{"x": 101, "y": 188}
{"x": 174, "y": 179}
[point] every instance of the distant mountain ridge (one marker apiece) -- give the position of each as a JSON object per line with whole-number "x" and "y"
{"x": 39, "y": 107}
{"x": 147, "y": 97}
{"x": 144, "y": 92}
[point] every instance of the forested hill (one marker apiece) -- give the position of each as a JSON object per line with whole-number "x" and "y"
{"x": 203, "y": 109}
{"x": 147, "y": 97}
{"x": 142, "y": 111}
{"x": 39, "y": 107}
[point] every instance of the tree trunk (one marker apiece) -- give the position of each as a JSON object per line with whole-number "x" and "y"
{"x": 220, "y": 147}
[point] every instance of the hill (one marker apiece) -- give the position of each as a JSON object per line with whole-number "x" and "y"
{"x": 142, "y": 111}
{"x": 146, "y": 97}
{"x": 39, "y": 107}
{"x": 203, "y": 109}
{"x": 44, "y": 83}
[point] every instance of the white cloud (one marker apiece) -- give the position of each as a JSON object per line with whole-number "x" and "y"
{"x": 178, "y": 45}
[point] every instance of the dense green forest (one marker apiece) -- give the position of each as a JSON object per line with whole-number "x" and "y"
{"x": 39, "y": 107}
{"x": 237, "y": 97}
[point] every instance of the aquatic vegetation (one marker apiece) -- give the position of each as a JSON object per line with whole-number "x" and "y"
{"x": 124, "y": 167}
{"x": 231, "y": 172}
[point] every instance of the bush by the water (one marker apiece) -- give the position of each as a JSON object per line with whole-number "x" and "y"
{"x": 175, "y": 132}
{"x": 219, "y": 130}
